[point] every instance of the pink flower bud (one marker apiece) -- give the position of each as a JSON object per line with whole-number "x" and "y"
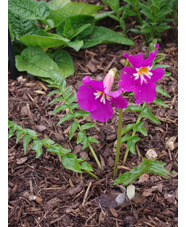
{"x": 109, "y": 80}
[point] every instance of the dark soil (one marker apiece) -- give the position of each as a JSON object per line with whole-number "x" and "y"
{"x": 65, "y": 198}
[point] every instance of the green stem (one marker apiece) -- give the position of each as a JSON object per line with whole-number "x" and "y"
{"x": 91, "y": 174}
{"x": 95, "y": 156}
{"x": 133, "y": 134}
{"x": 118, "y": 143}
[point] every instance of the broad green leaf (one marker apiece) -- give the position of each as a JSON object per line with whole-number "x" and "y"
{"x": 58, "y": 149}
{"x": 147, "y": 166}
{"x": 148, "y": 13}
{"x": 80, "y": 137}
{"x": 72, "y": 9}
{"x": 76, "y": 44}
{"x": 140, "y": 128}
{"x": 85, "y": 142}
{"x": 167, "y": 74}
{"x": 47, "y": 142}
{"x": 134, "y": 108}
{"x": 125, "y": 138}
{"x": 37, "y": 147}
{"x": 102, "y": 15}
{"x": 70, "y": 162}
{"x": 43, "y": 39}
{"x": 104, "y": 35}
{"x": 162, "y": 27}
{"x": 60, "y": 108}
{"x": 82, "y": 113}
{"x": 92, "y": 139}
{"x": 18, "y": 135}
{"x": 162, "y": 91}
{"x": 66, "y": 117}
{"x": 26, "y": 141}
{"x": 131, "y": 143}
{"x": 152, "y": 45}
{"x": 57, "y": 4}
{"x": 127, "y": 128}
{"x": 147, "y": 113}
{"x": 73, "y": 128}
{"x": 29, "y": 9}
{"x": 36, "y": 62}
{"x": 64, "y": 62}
{"x": 21, "y": 26}
{"x": 87, "y": 126}
{"x": 78, "y": 26}
{"x": 160, "y": 102}
{"x": 86, "y": 166}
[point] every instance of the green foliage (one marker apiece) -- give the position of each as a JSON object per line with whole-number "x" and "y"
{"x": 68, "y": 159}
{"x": 55, "y": 25}
{"x": 154, "y": 16}
{"x": 147, "y": 166}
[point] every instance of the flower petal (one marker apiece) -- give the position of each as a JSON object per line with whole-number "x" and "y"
{"x": 145, "y": 92}
{"x": 119, "y": 102}
{"x": 103, "y": 112}
{"x": 136, "y": 61}
{"x": 127, "y": 82}
{"x": 150, "y": 59}
{"x": 157, "y": 74}
{"x": 97, "y": 85}
{"x": 86, "y": 98}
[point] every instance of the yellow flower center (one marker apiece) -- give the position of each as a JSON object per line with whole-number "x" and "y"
{"x": 142, "y": 73}
{"x": 103, "y": 98}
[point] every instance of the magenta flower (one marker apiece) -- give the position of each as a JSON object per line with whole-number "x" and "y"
{"x": 141, "y": 77}
{"x": 95, "y": 97}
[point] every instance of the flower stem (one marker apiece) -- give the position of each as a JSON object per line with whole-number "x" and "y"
{"x": 133, "y": 134}
{"x": 95, "y": 156}
{"x": 118, "y": 143}
{"x": 91, "y": 174}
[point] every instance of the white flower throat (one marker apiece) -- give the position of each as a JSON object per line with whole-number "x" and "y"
{"x": 103, "y": 96}
{"x": 142, "y": 73}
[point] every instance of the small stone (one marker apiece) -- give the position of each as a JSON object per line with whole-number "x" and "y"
{"x": 151, "y": 153}
{"x": 130, "y": 191}
{"x": 24, "y": 111}
{"x": 170, "y": 143}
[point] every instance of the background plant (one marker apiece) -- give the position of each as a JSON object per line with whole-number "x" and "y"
{"x": 67, "y": 158}
{"x": 52, "y": 26}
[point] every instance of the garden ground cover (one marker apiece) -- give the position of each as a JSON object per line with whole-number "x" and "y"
{"x": 43, "y": 193}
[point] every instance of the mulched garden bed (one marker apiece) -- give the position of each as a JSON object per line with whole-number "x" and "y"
{"x": 43, "y": 193}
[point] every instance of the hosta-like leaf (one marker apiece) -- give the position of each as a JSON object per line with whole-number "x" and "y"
{"x": 26, "y": 141}
{"x": 47, "y": 142}
{"x": 73, "y": 9}
{"x": 104, "y": 35}
{"x": 37, "y": 147}
{"x": 64, "y": 62}
{"x": 147, "y": 113}
{"x": 11, "y": 132}
{"x": 85, "y": 142}
{"x": 70, "y": 162}
{"x": 73, "y": 128}
{"x": 131, "y": 143}
{"x": 43, "y": 40}
{"x": 36, "y": 62}
{"x": 29, "y": 9}
{"x": 75, "y": 44}
{"x": 58, "y": 149}
{"x": 66, "y": 117}
{"x": 92, "y": 139}
{"x": 31, "y": 133}
{"x": 147, "y": 166}
{"x": 57, "y": 4}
